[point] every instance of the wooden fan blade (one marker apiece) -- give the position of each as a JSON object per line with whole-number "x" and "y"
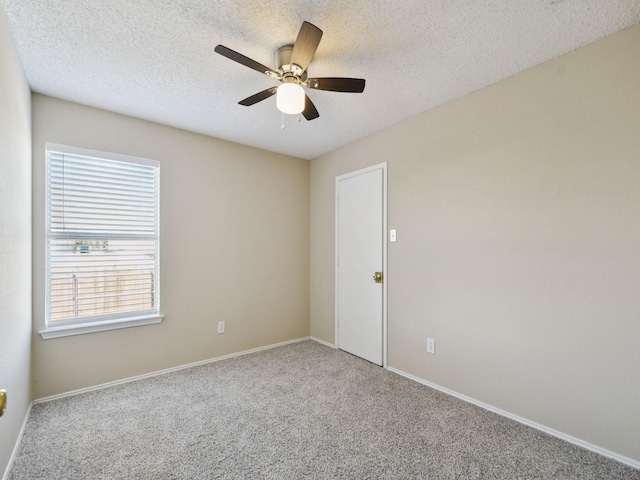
{"x": 246, "y": 61}
{"x": 336, "y": 84}
{"x": 258, "y": 97}
{"x": 310, "y": 112}
{"x": 306, "y": 45}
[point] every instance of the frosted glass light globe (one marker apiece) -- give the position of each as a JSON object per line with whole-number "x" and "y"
{"x": 290, "y": 98}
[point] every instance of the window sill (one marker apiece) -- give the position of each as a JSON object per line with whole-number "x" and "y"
{"x": 82, "y": 328}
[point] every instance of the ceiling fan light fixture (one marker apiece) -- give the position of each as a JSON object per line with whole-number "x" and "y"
{"x": 291, "y": 70}
{"x": 290, "y": 98}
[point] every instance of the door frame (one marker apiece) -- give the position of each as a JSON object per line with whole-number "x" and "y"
{"x": 380, "y": 166}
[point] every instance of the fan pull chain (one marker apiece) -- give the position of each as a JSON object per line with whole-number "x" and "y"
{"x": 298, "y": 119}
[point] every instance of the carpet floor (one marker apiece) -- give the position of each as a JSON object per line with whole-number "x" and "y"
{"x": 293, "y": 412}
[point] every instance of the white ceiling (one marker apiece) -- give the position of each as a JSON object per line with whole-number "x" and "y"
{"x": 154, "y": 59}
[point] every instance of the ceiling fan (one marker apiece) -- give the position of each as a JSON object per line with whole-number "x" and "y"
{"x": 291, "y": 70}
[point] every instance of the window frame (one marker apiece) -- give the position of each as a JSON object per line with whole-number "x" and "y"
{"x": 96, "y": 323}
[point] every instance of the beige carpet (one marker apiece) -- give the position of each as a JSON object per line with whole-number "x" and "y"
{"x": 293, "y": 412}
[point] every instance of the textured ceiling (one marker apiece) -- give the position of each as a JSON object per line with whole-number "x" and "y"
{"x": 154, "y": 59}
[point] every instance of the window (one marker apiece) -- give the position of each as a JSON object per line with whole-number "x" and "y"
{"x": 102, "y": 241}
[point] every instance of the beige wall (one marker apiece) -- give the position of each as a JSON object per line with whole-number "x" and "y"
{"x": 15, "y": 242}
{"x": 518, "y": 218}
{"x": 234, "y": 247}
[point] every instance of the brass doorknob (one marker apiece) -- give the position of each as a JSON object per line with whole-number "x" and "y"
{"x": 377, "y": 277}
{"x": 3, "y": 401}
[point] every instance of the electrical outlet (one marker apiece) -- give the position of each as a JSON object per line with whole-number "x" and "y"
{"x": 220, "y": 327}
{"x": 431, "y": 346}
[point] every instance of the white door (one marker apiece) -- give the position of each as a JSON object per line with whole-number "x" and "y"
{"x": 359, "y": 246}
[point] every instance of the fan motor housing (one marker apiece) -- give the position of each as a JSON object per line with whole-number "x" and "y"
{"x": 284, "y": 65}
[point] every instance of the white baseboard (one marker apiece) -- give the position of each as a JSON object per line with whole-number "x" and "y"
{"x": 166, "y": 370}
{"x": 563, "y": 436}
{"x": 17, "y": 444}
{"x": 327, "y": 344}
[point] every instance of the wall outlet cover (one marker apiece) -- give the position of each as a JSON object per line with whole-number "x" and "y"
{"x": 431, "y": 345}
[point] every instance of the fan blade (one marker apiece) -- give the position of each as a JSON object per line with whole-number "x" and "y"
{"x": 310, "y": 112}
{"x": 246, "y": 61}
{"x": 336, "y": 84}
{"x": 306, "y": 45}
{"x": 258, "y": 97}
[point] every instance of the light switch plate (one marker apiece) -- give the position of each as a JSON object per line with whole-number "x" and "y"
{"x": 392, "y": 235}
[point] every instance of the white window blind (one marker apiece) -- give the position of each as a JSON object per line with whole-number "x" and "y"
{"x": 103, "y": 237}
